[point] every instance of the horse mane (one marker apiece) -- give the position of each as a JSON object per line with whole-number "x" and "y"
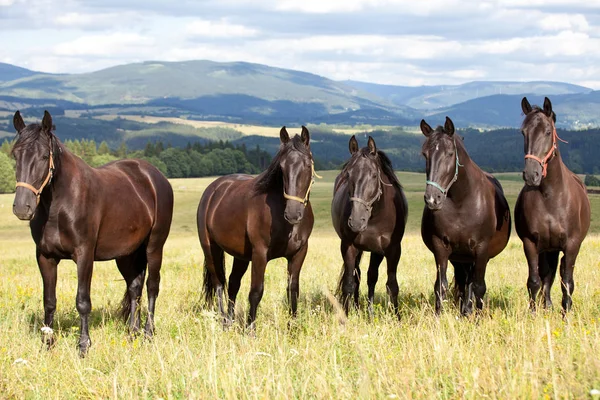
{"x": 34, "y": 132}
{"x": 271, "y": 177}
{"x": 382, "y": 160}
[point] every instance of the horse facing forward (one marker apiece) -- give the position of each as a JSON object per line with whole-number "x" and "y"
{"x": 119, "y": 211}
{"x": 369, "y": 213}
{"x": 552, "y": 213}
{"x": 256, "y": 220}
{"x": 466, "y": 218}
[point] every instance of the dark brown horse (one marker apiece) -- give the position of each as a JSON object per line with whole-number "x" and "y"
{"x": 552, "y": 213}
{"x": 258, "y": 219}
{"x": 466, "y": 218}
{"x": 369, "y": 213}
{"x": 119, "y": 211}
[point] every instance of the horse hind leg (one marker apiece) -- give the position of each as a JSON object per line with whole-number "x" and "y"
{"x": 372, "y": 276}
{"x": 214, "y": 275}
{"x": 133, "y": 269}
{"x": 235, "y": 278}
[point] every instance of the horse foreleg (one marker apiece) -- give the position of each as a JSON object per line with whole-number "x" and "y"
{"x": 85, "y": 266}
{"x": 295, "y": 263}
{"x": 441, "y": 282}
{"x": 567, "y": 266}
{"x": 550, "y": 264}
{"x": 351, "y": 256}
{"x": 48, "y": 269}
{"x": 392, "y": 259}
{"x": 533, "y": 281}
{"x": 257, "y": 284}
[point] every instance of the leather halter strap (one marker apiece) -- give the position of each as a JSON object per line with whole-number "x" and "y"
{"x": 38, "y": 192}
{"x": 369, "y": 204}
{"x": 551, "y": 153}
{"x": 437, "y": 185}
{"x": 304, "y": 200}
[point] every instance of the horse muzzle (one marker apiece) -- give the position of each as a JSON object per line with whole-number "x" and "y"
{"x": 533, "y": 173}
{"x": 24, "y": 205}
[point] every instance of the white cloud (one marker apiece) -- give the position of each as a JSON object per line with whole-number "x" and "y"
{"x": 219, "y": 29}
{"x": 6, "y": 3}
{"x": 108, "y": 46}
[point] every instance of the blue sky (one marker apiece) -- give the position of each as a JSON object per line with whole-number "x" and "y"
{"x": 416, "y": 42}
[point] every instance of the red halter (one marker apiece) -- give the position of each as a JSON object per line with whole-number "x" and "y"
{"x": 544, "y": 162}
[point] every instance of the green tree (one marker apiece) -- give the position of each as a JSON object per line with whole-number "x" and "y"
{"x": 122, "y": 150}
{"x": 7, "y": 174}
{"x": 103, "y": 148}
{"x": 101, "y": 159}
{"x": 6, "y": 147}
{"x": 591, "y": 180}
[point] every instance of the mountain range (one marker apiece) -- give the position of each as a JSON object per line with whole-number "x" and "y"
{"x": 259, "y": 94}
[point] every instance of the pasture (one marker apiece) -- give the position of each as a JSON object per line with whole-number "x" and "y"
{"x": 503, "y": 353}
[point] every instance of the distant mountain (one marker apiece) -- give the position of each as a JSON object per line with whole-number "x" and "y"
{"x": 10, "y": 72}
{"x": 573, "y": 111}
{"x": 432, "y": 97}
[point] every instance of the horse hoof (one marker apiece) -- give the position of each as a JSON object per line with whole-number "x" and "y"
{"x": 84, "y": 346}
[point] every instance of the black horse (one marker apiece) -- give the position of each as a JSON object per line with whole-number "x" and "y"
{"x": 466, "y": 218}
{"x": 119, "y": 211}
{"x": 369, "y": 213}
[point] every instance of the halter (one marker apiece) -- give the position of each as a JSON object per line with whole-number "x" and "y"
{"x": 304, "y": 200}
{"x": 369, "y": 204}
{"x": 38, "y": 192}
{"x": 551, "y": 153}
{"x": 437, "y": 185}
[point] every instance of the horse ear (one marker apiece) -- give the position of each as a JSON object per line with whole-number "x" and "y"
{"x": 305, "y": 136}
{"x": 284, "y": 136}
{"x": 372, "y": 147}
{"x": 353, "y": 145}
{"x": 18, "y": 122}
{"x": 449, "y": 127}
{"x": 425, "y": 128}
{"x": 47, "y": 122}
{"x": 548, "y": 107}
{"x": 525, "y": 106}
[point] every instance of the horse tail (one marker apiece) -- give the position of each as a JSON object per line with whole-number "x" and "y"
{"x": 209, "y": 287}
{"x": 125, "y": 310}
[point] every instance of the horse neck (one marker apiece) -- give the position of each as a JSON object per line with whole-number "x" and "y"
{"x": 468, "y": 173}
{"x": 63, "y": 174}
{"x": 554, "y": 178}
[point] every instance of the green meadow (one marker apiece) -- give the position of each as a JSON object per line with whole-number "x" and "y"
{"x": 505, "y": 352}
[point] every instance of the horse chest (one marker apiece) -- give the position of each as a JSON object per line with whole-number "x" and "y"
{"x": 545, "y": 221}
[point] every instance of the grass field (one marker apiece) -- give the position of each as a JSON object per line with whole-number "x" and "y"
{"x": 504, "y": 353}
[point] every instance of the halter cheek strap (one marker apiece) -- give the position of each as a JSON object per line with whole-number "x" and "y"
{"x": 304, "y": 200}
{"x": 437, "y": 185}
{"x": 544, "y": 161}
{"x": 369, "y": 204}
{"x": 38, "y": 192}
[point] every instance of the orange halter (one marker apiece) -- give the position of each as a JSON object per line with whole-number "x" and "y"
{"x": 544, "y": 161}
{"x": 38, "y": 192}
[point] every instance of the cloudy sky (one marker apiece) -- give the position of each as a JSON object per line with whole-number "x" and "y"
{"x": 404, "y": 42}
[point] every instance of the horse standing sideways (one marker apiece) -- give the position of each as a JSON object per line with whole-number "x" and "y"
{"x": 258, "y": 219}
{"x": 466, "y": 218}
{"x": 119, "y": 211}
{"x": 552, "y": 213}
{"x": 369, "y": 213}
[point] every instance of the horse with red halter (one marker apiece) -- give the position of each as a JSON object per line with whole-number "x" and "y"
{"x": 369, "y": 213}
{"x": 466, "y": 218}
{"x": 257, "y": 219}
{"x": 552, "y": 213}
{"x": 120, "y": 211}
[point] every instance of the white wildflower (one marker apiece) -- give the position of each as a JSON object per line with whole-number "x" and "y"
{"x": 595, "y": 393}
{"x": 46, "y": 330}
{"x": 20, "y": 361}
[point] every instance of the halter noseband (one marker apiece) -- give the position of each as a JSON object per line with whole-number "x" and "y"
{"x": 35, "y": 191}
{"x": 369, "y": 204}
{"x": 304, "y": 200}
{"x": 551, "y": 153}
{"x": 437, "y": 185}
